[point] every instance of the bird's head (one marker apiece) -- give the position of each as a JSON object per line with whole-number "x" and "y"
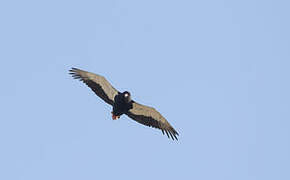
{"x": 127, "y": 96}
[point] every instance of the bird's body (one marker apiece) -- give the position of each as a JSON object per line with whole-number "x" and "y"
{"x": 123, "y": 104}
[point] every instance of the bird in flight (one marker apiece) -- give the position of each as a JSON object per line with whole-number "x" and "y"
{"x": 123, "y": 104}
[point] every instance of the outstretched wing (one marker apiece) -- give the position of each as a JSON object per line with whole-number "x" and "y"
{"x": 97, "y": 83}
{"x": 150, "y": 117}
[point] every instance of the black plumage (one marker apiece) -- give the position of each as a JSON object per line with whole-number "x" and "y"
{"x": 123, "y": 104}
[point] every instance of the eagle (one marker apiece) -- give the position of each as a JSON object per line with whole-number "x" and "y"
{"x": 122, "y": 103}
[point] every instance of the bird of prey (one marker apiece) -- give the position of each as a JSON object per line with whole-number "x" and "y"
{"x": 123, "y": 104}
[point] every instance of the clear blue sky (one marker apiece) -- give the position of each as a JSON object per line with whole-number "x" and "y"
{"x": 218, "y": 70}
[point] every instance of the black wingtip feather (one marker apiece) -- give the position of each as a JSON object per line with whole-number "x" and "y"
{"x": 174, "y": 133}
{"x": 74, "y": 69}
{"x": 175, "y": 137}
{"x": 167, "y": 133}
{"x": 171, "y": 135}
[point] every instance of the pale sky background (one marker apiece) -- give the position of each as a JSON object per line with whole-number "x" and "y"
{"x": 218, "y": 70}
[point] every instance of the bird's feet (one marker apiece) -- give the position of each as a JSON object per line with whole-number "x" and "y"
{"x": 114, "y": 117}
